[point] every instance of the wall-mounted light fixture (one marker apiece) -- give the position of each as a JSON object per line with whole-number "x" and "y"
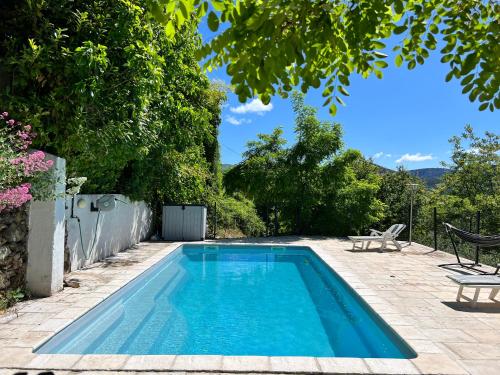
{"x": 81, "y": 203}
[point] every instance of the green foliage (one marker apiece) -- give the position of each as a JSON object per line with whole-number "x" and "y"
{"x": 236, "y": 216}
{"x": 396, "y": 191}
{"x": 106, "y": 88}
{"x": 11, "y": 297}
{"x": 475, "y": 166}
{"x": 472, "y": 185}
{"x": 272, "y": 46}
{"x": 311, "y": 187}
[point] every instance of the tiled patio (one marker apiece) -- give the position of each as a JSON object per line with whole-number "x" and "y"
{"x": 406, "y": 288}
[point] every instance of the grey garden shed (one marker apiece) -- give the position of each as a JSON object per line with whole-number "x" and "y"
{"x": 184, "y": 222}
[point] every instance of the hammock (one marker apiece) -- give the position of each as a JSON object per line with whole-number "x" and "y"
{"x": 472, "y": 238}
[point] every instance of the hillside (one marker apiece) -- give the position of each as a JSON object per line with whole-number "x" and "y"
{"x": 226, "y": 167}
{"x": 431, "y": 176}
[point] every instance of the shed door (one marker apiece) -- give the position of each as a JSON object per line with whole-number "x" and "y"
{"x": 193, "y": 221}
{"x": 172, "y": 223}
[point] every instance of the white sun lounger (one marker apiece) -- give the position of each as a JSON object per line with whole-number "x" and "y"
{"x": 389, "y": 235}
{"x": 477, "y": 282}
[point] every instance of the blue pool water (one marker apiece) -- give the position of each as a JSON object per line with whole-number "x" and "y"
{"x": 234, "y": 300}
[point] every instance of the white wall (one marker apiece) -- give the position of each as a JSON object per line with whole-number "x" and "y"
{"x": 124, "y": 226}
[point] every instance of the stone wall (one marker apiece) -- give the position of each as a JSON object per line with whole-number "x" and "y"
{"x": 13, "y": 248}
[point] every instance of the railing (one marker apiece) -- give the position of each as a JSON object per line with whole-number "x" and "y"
{"x": 429, "y": 231}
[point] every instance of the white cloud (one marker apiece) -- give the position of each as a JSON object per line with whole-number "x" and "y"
{"x": 380, "y": 154}
{"x": 414, "y": 157}
{"x": 235, "y": 121}
{"x": 254, "y": 106}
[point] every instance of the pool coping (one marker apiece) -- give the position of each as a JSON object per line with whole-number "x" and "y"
{"x": 437, "y": 362}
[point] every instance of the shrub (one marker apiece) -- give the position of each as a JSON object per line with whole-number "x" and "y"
{"x": 21, "y": 171}
{"x": 236, "y": 216}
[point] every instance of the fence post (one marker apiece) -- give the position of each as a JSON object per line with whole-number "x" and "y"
{"x": 478, "y": 227}
{"x": 435, "y": 229}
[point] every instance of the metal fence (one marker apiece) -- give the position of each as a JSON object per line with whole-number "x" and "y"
{"x": 429, "y": 230}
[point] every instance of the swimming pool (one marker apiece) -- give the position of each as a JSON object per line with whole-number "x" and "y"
{"x": 234, "y": 300}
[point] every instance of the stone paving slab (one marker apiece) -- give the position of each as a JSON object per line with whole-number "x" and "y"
{"x": 405, "y": 288}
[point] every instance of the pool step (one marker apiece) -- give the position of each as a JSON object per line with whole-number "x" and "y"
{"x": 161, "y": 310}
{"x": 144, "y": 303}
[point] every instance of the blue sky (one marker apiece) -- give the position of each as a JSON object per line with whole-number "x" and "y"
{"x": 406, "y": 118}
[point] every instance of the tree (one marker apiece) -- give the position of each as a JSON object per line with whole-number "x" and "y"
{"x": 395, "y": 191}
{"x": 261, "y": 177}
{"x": 475, "y": 166}
{"x": 317, "y": 142}
{"x": 318, "y": 187}
{"x": 471, "y": 185}
{"x": 105, "y": 88}
{"x": 272, "y": 46}
{"x": 474, "y": 177}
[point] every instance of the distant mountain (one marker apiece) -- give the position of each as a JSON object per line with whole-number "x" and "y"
{"x": 431, "y": 176}
{"x": 226, "y": 167}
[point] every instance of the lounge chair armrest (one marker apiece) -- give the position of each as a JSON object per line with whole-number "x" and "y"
{"x": 374, "y": 232}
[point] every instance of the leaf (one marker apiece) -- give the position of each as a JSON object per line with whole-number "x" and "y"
{"x": 467, "y": 88}
{"x": 333, "y": 109}
{"x": 381, "y": 64}
{"x": 398, "y": 61}
{"x": 446, "y": 58}
{"x": 473, "y": 94}
{"x": 412, "y": 64}
{"x": 213, "y": 21}
{"x": 469, "y": 63}
{"x": 343, "y": 91}
{"x": 266, "y": 99}
{"x": 327, "y": 91}
{"x": 467, "y": 79}
{"x": 339, "y": 100}
{"x": 344, "y": 80}
{"x": 170, "y": 30}
{"x": 378, "y": 45}
{"x": 400, "y": 29}
{"x": 380, "y": 54}
{"x": 219, "y": 6}
{"x": 483, "y": 106}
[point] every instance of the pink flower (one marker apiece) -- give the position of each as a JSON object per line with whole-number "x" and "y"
{"x": 11, "y": 122}
{"x": 15, "y": 197}
{"x": 27, "y": 128}
{"x": 33, "y": 163}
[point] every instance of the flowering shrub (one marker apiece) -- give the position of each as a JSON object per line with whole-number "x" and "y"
{"x": 19, "y": 169}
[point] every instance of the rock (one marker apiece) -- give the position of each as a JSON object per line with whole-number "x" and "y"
{"x": 4, "y": 253}
{"x": 4, "y": 281}
{"x": 14, "y": 233}
{"x": 13, "y": 248}
{"x": 72, "y": 283}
